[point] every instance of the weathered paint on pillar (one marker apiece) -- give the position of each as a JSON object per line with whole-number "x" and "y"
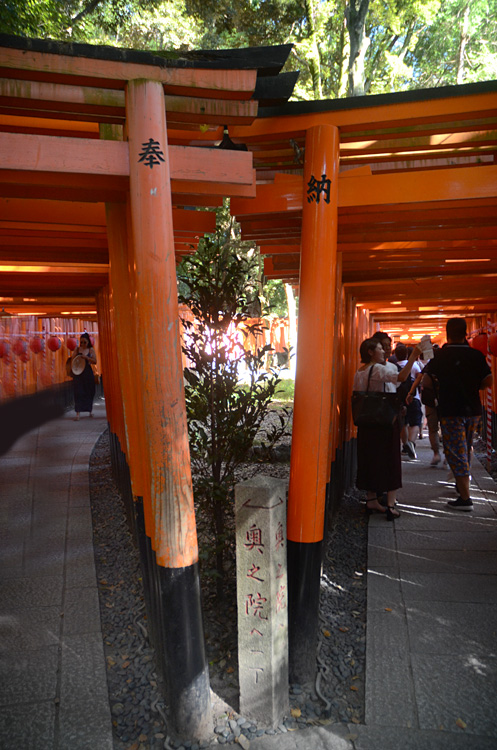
{"x": 120, "y": 256}
{"x": 159, "y": 365}
{"x": 160, "y": 384}
{"x": 309, "y": 464}
{"x": 310, "y": 439}
{"x": 127, "y": 352}
{"x": 110, "y": 368}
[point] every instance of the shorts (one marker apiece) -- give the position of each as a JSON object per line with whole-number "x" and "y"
{"x": 457, "y": 435}
{"x": 414, "y": 414}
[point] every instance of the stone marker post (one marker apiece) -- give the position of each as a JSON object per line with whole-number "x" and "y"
{"x": 262, "y": 599}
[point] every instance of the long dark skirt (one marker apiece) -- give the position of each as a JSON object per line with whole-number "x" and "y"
{"x": 379, "y": 467}
{"x": 84, "y": 390}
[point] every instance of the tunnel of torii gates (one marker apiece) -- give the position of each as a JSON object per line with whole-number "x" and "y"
{"x": 382, "y": 210}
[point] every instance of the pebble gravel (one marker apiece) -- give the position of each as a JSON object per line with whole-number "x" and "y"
{"x": 138, "y": 710}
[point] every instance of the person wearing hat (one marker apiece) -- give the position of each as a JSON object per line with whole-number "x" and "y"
{"x": 83, "y": 376}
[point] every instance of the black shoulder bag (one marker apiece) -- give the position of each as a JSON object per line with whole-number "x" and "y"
{"x": 374, "y": 408}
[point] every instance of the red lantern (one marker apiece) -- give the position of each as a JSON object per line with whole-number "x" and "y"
{"x": 37, "y": 345}
{"x": 24, "y": 357}
{"x": 71, "y": 343}
{"x": 53, "y": 343}
{"x": 19, "y": 347}
{"x": 492, "y": 344}
{"x": 4, "y": 349}
{"x": 480, "y": 343}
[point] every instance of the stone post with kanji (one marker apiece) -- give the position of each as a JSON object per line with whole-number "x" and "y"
{"x": 262, "y": 599}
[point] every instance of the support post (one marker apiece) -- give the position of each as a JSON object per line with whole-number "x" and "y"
{"x": 309, "y": 460}
{"x": 160, "y": 382}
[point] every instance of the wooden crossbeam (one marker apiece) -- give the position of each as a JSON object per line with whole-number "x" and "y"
{"x": 406, "y": 115}
{"x": 111, "y": 159}
{"x": 83, "y": 71}
{"x": 46, "y": 99}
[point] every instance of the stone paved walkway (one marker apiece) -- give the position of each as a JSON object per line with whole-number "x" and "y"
{"x": 431, "y": 681}
{"x": 53, "y": 689}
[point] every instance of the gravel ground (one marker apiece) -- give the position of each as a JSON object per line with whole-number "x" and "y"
{"x": 137, "y": 707}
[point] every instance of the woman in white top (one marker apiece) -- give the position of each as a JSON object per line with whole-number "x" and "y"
{"x": 379, "y": 467}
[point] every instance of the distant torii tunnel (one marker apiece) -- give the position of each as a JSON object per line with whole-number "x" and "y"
{"x": 382, "y": 209}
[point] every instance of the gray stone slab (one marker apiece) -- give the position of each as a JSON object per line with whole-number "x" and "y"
{"x": 80, "y": 572}
{"x": 11, "y": 558}
{"x": 387, "y": 632}
{"x": 79, "y": 496}
{"x": 449, "y": 587}
{"x": 448, "y": 520}
{"x": 482, "y": 562}
{"x": 455, "y": 540}
{"x": 390, "y": 698}
{"x": 80, "y": 525}
{"x": 332, "y": 737}
{"x": 383, "y": 557}
{"x": 453, "y": 628}
{"x": 29, "y": 676}
{"x": 23, "y": 593}
{"x": 81, "y": 611}
{"x": 381, "y": 534}
{"x": 28, "y": 629}
{"x": 394, "y": 738}
{"x": 83, "y": 676}
{"x": 19, "y": 733}
{"x": 383, "y": 589}
{"x": 456, "y": 687}
{"x": 85, "y": 725}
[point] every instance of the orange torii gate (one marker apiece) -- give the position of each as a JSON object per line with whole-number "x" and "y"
{"x": 403, "y": 203}
{"x": 382, "y": 208}
{"x": 104, "y": 156}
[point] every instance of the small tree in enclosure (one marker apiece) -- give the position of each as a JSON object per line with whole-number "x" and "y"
{"x": 228, "y": 394}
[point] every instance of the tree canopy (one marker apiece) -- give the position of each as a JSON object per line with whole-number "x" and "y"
{"x": 342, "y": 47}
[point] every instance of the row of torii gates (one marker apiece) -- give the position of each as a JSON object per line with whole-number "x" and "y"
{"x": 382, "y": 209}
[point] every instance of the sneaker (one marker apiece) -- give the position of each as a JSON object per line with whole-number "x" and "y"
{"x": 460, "y": 504}
{"x": 409, "y": 446}
{"x": 404, "y": 449}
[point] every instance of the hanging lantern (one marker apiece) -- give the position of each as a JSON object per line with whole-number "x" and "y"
{"x": 53, "y": 343}
{"x": 37, "y": 345}
{"x": 24, "y": 357}
{"x": 4, "y": 349}
{"x": 492, "y": 344}
{"x": 480, "y": 343}
{"x": 19, "y": 347}
{"x": 71, "y": 343}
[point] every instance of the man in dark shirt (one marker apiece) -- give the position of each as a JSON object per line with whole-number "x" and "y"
{"x": 461, "y": 372}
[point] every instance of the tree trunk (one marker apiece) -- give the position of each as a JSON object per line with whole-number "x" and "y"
{"x": 313, "y": 58}
{"x": 462, "y": 45}
{"x": 355, "y": 16}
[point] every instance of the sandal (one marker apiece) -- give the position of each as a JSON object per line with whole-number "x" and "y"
{"x": 378, "y": 508}
{"x": 392, "y": 513}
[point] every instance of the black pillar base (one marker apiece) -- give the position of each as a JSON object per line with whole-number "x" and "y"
{"x": 304, "y": 572}
{"x": 185, "y": 666}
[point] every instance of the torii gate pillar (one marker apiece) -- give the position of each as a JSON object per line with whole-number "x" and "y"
{"x": 160, "y": 381}
{"x": 309, "y": 465}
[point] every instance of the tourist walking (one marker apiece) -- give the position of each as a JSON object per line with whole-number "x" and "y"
{"x": 379, "y": 468}
{"x": 83, "y": 376}
{"x": 461, "y": 373}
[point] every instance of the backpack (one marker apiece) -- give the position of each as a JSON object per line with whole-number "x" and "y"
{"x": 429, "y": 396}
{"x": 404, "y": 388}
